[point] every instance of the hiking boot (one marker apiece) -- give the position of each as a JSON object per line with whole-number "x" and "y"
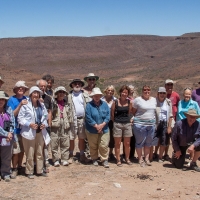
{"x": 43, "y": 174}
{"x": 7, "y": 178}
{"x": 105, "y": 164}
{"x": 83, "y": 159}
{"x": 57, "y": 164}
{"x": 30, "y": 176}
{"x": 14, "y": 173}
{"x": 65, "y": 163}
{"x": 194, "y": 166}
{"x": 95, "y": 163}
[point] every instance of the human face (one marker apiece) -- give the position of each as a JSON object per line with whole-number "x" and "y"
{"x": 162, "y": 96}
{"x": 190, "y": 119}
{"x": 2, "y": 103}
{"x": 124, "y": 94}
{"x": 96, "y": 98}
{"x": 61, "y": 95}
{"x": 91, "y": 82}
{"x": 20, "y": 90}
{"x": 35, "y": 96}
{"x": 187, "y": 94}
{"x": 76, "y": 86}
{"x": 146, "y": 92}
{"x": 49, "y": 84}
{"x": 109, "y": 91}
{"x": 42, "y": 86}
{"x": 169, "y": 87}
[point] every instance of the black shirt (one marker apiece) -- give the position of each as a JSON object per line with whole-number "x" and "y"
{"x": 47, "y": 101}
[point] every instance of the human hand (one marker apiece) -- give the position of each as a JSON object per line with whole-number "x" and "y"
{"x": 177, "y": 154}
{"x": 190, "y": 148}
{"x": 9, "y": 136}
{"x": 33, "y": 126}
{"x": 41, "y": 100}
{"x": 42, "y": 126}
{"x": 23, "y": 102}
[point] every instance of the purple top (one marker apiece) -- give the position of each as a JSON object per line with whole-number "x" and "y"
{"x": 4, "y": 117}
{"x": 196, "y": 96}
{"x": 183, "y": 134}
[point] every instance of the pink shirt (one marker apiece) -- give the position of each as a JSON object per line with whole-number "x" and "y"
{"x": 61, "y": 105}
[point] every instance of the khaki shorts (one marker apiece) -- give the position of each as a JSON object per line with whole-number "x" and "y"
{"x": 78, "y": 129}
{"x": 19, "y": 145}
{"x": 122, "y": 130}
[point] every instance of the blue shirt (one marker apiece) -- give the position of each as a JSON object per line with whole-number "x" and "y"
{"x": 97, "y": 115}
{"x": 184, "y": 106}
{"x": 13, "y": 102}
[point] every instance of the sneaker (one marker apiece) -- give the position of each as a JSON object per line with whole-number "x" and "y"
{"x": 7, "y": 178}
{"x": 194, "y": 166}
{"x": 43, "y": 174}
{"x": 14, "y": 173}
{"x": 47, "y": 163}
{"x": 83, "y": 159}
{"x": 95, "y": 163}
{"x": 148, "y": 163}
{"x": 105, "y": 164}
{"x": 65, "y": 163}
{"x": 30, "y": 176}
{"x": 56, "y": 164}
{"x": 160, "y": 160}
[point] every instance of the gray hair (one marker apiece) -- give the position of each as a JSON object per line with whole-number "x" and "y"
{"x": 131, "y": 87}
{"x": 38, "y": 82}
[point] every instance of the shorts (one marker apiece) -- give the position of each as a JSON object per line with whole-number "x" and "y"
{"x": 122, "y": 130}
{"x": 19, "y": 145}
{"x": 78, "y": 129}
{"x": 162, "y": 134}
{"x": 143, "y": 135}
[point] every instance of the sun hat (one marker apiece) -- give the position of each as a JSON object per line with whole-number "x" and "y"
{"x": 161, "y": 89}
{"x": 3, "y": 95}
{"x": 91, "y": 75}
{"x": 77, "y": 80}
{"x": 60, "y": 88}
{"x": 1, "y": 80}
{"x": 20, "y": 84}
{"x": 95, "y": 91}
{"x": 169, "y": 81}
{"x": 35, "y": 88}
{"x": 192, "y": 112}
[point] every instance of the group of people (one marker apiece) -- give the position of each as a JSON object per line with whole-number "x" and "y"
{"x": 51, "y": 119}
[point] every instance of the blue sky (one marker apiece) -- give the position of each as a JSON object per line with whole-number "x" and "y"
{"x": 22, "y": 18}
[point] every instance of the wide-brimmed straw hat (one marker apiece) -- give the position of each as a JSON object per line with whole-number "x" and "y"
{"x": 77, "y": 80}
{"x": 20, "y": 84}
{"x": 95, "y": 91}
{"x": 192, "y": 112}
{"x": 35, "y": 88}
{"x": 3, "y": 95}
{"x": 91, "y": 75}
{"x": 60, "y": 88}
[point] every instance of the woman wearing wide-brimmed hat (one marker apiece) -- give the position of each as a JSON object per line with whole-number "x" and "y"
{"x": 16, "y": 102}
{"x": 97, "y": 131}
{"x": 60, "y": 128}
{"x": 33, "y": 119}
{"x": 7, "y": 123}
{"x": 186, "y": 137}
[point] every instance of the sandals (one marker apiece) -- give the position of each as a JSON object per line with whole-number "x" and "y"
{"x": 128, "y": 162}
{"x": 119, "y": 164}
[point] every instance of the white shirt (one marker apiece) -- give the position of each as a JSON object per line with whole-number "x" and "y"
{"x": 78, "y": 103}
{"x": 163, "y": 111}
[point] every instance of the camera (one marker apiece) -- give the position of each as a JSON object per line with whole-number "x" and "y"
{"x": 38, "y": 129}
{"x": 6, "y": 126}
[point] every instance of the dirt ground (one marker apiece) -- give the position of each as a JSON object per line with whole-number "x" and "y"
{"x": 78, "y": 181}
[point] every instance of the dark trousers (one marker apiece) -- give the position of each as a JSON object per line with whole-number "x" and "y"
{"x": 112, "y": 141}
{"x": 178, "y": 163}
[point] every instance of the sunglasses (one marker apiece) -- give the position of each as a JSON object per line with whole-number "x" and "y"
{"x": 91, "y": 79}
{"x": 162, "y": 93}
{"x": 146, "y": 90}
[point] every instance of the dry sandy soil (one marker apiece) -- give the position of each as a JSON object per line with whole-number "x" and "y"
{"x": 78, "y": 181}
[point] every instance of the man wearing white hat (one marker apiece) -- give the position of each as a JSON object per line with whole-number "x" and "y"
{"x": 16, "y": 102}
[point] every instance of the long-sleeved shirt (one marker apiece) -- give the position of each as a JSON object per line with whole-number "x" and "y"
{"x": 183, "y": 134}
{"x": 97, "y": 115}
{"x": 184, "y": 106}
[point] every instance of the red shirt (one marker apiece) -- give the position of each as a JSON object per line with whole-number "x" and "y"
{"x": 175, "y": 98}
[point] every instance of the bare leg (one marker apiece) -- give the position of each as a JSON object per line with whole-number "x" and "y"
{"x": 139, "y": 153}
{"x": 117, "y": 147}
{"x": 151, "y": 154}
{"x": 81, "y": 144}
{"x": 162, "y": 149}
{"x": 196, "y": 156}
{"x": 15, "y": 160}
{"x": 146, "y": 153}
{"x": 127, "y": 147}
{"x": 20, "y": 158}
{"x": 71, "y": 148}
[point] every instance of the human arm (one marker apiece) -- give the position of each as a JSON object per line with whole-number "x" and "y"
{"x": 113, "y": 110}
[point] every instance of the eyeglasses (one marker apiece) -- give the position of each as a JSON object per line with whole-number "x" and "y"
{"x": 169, "y": 84}
{"x": 162, "y": 93}
{"x": 187, "y": 88}
{"x": 91, "y": 79}
{"x": 146, "y": 90}
{"x": 77, "y": 83}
